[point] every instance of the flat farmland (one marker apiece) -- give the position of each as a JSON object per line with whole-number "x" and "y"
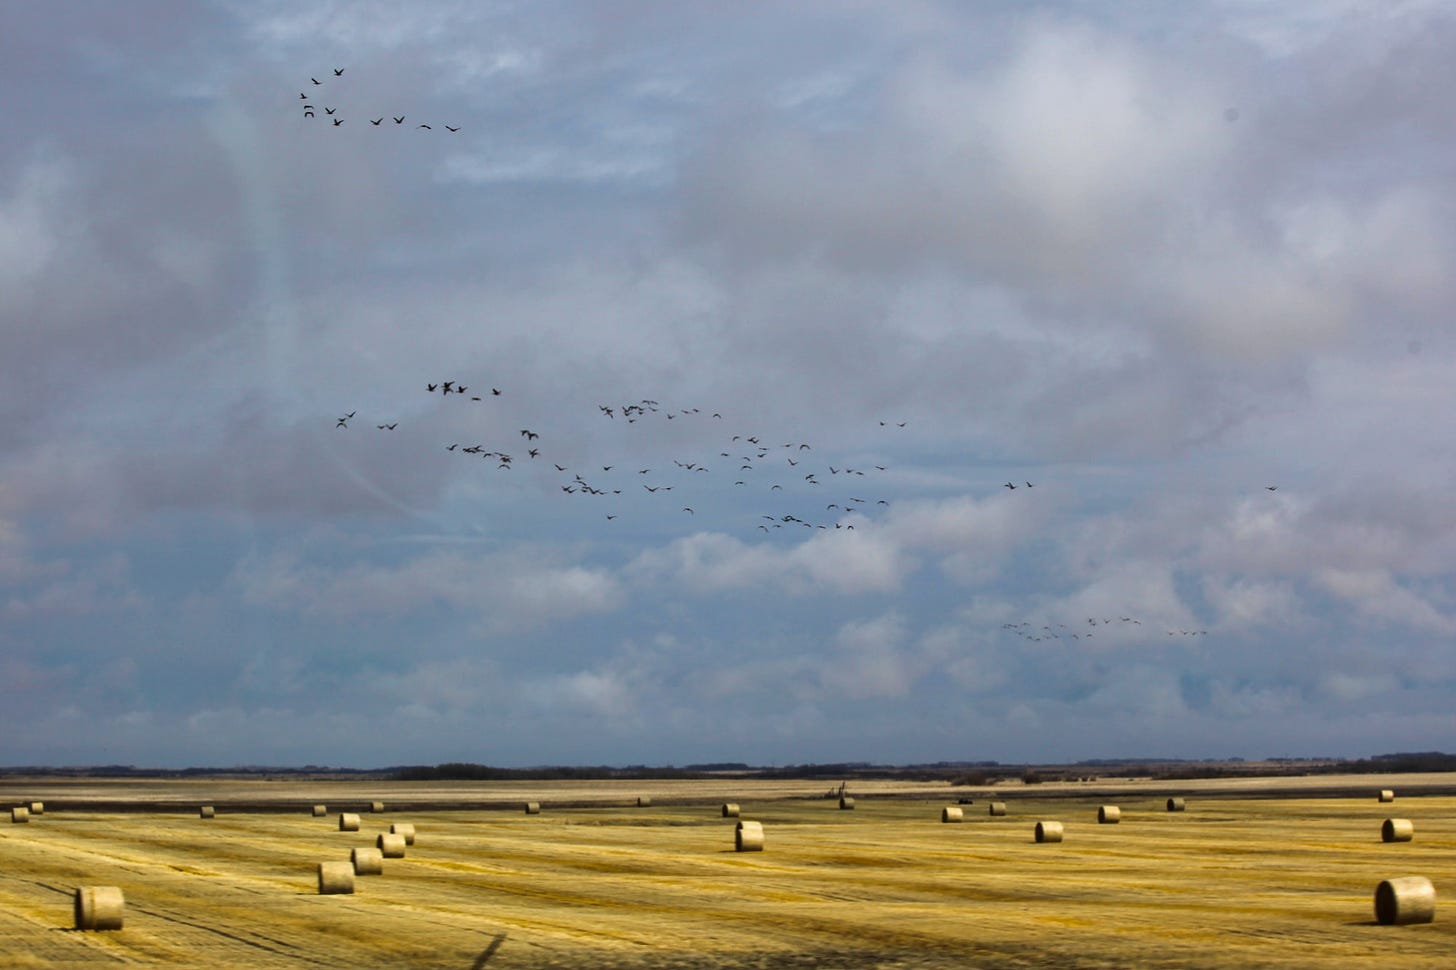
{"x": 1270, "y": 878}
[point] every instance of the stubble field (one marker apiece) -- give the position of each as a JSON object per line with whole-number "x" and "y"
{"x": 1269, "y": 878}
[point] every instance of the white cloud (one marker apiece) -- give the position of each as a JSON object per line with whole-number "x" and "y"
{"x": 507, "y": 591}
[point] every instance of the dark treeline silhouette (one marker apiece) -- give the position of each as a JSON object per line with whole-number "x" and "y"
{"x": 973, "y": 773}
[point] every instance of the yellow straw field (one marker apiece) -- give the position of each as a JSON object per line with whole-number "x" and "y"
{"x": 1233, "y": 881}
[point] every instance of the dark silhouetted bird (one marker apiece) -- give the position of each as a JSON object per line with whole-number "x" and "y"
{"x": 338, "y": 122}
{"x": 338, "y": 71}
{"x": 399, "y": 120}
{"x": 448, "y": 128}
{"x": 379, "y": 121}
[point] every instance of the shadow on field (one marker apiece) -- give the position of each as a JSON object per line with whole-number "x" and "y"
{"x": 489, "y": 951}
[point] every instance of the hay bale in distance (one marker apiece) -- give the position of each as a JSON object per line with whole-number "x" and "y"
{"x": 748, "y": 836}
{"x": 730, "y": 810}
{"x": 1386, "y": 795}
{"x": 19, "y": 815}
{"x": 367, "y": 862}
{"x": 533, "y": 808}
{"x": 99, "y": 907}
{"x": 335, "y": 878}
{"x": 1405, "y": 900}
{"x": 1108, "y": 815}
{"x": 206, "y": 811}
{"x": 1397, "y": 830}
{"x": 376, "y": 806}
{"x": 406, "y": 829}
{"x": 952, "y": 813}
{"x": 348, "y": 822}
{"x": 391, "y": 844}
{"x": 319, "y": 811}
{"x": 37, "y": 808}
{"x": 1049, "y": 831}
{"x": 846, "y": 803}
{"x": 996, "y": 809}
{"x": 643, "y": 801}
{"x": 1176, "y": 804}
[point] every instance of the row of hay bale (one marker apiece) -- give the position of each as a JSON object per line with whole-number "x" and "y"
{"x": 21, "y": 814}
{"x": 318, "y": 811}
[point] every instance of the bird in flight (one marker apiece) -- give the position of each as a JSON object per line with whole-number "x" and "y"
{"x": 338, "y": 122}
{"x": 338, "y": 72}
{"x": 1010, "y": 486}
{"x": 328, "y": 110}
{"x": 378, "y": 121}
{"x": 399, "y": 120}
{"x": 1272, "y": 488}
{"x": 315, "y": 80}
{"x": 427, "y": 127}
{"x": 448, "y": 128}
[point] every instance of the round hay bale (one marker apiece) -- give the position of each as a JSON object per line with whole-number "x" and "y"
{"x": 406, "y": 829}
{"x": 319, "y": 811}
{"x": 1109, "y": 815}
{"x": 952, "y": 813}
{"x": 1386, "y": 795}
{"x": 19, "y": 815}
{"x": 1408, "y": 899}
{"x": 748, "y": 837}
{"x": 336, "y": 878}
{"x": 367, "y": 862}
{"x": 206, "y": 811}
{"x": 996, "y": 809}
{"x": 391, "y": 844}
{"x": 1176, "y": 804}
{"x": 376, "y": 806}
{"x": 1397, "y": 830}
{"x": 846, "y": 803}
{"x": 533, "y": 808}
{"x": 1049, "y": 831}
{"x": 348, "y": 822}
{"x": 643, "y": 801}
{"x": 730, "y": 810}
{"x": 99, "y": 907}
{"x": 37, "y": 808}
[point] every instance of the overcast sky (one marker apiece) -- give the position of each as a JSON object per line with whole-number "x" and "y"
{"x": 1181, "y": 273}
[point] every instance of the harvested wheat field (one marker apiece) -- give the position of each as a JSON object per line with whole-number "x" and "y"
{"x": 1232, "y": 881}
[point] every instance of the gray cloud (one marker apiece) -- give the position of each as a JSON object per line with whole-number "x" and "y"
{"x": 1152, "y": 264}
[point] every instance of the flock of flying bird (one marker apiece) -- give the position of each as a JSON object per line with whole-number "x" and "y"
{"x": 1029, "y": 631}
{"x": 790, "y": 473}
{"x": 331, "y": 112}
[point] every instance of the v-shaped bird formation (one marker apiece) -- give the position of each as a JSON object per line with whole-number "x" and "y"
{"x": 332, "y": 87}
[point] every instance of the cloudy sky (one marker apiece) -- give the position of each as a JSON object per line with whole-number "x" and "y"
{"x": 827, "y": 277}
